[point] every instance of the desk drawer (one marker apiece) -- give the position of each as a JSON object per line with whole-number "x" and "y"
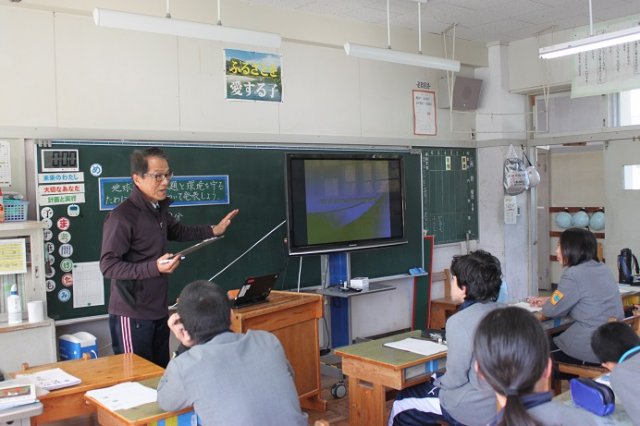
{"x": 421, "y": 372}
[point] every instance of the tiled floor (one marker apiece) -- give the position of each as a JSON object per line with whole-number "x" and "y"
{"x": 337, "y": 413}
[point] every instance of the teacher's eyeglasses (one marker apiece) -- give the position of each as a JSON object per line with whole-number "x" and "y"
{"x": 159, "y": 177}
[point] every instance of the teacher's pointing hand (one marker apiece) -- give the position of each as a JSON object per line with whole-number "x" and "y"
{"x": 221, "y": 227}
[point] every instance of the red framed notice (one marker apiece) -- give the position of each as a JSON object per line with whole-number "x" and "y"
{"x": 424, "y": 113}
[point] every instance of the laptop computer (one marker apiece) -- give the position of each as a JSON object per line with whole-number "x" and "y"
{"x": 254, "y": 290}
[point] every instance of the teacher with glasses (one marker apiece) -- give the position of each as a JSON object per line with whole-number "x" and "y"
{"x": 134, "y": 257}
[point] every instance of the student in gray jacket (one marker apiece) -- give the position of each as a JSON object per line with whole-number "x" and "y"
{"x": 228, "y": 378}
{"x": 457, "y": 397}
{"x": 618, "y": 348}
{"x": 587, "y": 292}
{"x": 512, "y": 354}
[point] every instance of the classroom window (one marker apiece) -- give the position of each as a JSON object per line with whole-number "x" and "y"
{"x": 629, "y": 107}
{"x": 632, "y": 177}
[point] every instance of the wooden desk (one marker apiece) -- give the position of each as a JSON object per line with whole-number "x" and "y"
{"x": 293, "y": 318}
{"x": 630, "y": 294}
{"x": 95, "y": 373}
{"x": 141, "y": 415}
{"x": 557, "y": 325}
{"x": 372, "y": 367}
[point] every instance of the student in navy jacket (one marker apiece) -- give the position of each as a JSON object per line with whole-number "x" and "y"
{"x": 618, "y": 348}
{"x": 135, "y": 258}
{"x": 457, "y": 397}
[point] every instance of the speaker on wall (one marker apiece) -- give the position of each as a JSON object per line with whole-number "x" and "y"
{"x": 466, "y": 93}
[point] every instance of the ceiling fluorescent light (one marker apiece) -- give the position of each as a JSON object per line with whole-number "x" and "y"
{"x": 591, "y": 43}
{"x": 388, "y": 55}
{"x": 152, "y": 24}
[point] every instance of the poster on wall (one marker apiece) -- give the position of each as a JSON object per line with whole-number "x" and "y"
{"x": 424, "y": 113}
{"x": 5, "y": 163}
{"x": 253, "y": 76}
{"x": 608, "y": 70}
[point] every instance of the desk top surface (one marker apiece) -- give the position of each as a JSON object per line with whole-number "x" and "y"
{"x": 618, "y": 417}
{"x": 627, "y": 290}
{"x": 143, "y": 414}
{"x": 375, "y": 352}
{"x": 276, "y": 301}
{"x": 100, "y": 372}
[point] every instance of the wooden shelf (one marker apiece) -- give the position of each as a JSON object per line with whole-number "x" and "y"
{"x": 557, "y": 234}
{"x": 575, "y": 209}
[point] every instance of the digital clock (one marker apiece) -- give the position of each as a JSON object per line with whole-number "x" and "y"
{"x": 59, "y": 160}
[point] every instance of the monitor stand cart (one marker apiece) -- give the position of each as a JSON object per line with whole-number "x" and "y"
{"x": 339, "y": 267}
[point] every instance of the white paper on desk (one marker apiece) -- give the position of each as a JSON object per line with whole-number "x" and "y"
{"x": 124, "y": 395}
{"x": 418, "y": 346}
{"x": 527, "y": 306}
{"x": 626, "y": 288}
{"x": 55, "y": 378}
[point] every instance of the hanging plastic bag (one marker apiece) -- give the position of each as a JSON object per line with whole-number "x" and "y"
{"x": 532, "y": 173}
{"x": 516, "y": 180}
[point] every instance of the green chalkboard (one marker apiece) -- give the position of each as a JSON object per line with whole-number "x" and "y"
{"x": 450, "y": 193}
{"x": 255, "y": 185}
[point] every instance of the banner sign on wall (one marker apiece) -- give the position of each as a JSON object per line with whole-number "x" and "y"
{"x": 610, "y": 69}
{"x": 253, "y": 76}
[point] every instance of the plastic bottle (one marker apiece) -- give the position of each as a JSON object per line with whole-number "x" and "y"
{"x": 14, "y": 306}
{"x": 1, "y": 207}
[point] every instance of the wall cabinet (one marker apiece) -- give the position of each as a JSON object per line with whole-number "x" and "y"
{"x": 24, "y": 342}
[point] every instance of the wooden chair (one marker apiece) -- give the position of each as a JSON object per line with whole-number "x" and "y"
{"x": 441, "y": 309}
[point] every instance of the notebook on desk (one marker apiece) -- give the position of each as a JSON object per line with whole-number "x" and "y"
{"x": 254, "y": 290}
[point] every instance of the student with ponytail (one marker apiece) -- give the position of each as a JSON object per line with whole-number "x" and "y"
{"x": 512, "y": 355}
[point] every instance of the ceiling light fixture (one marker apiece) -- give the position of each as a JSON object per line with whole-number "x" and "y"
{"x": 153, "y": 24}
{"x": 593, "y": 42}
{"x": 389, "y": 55}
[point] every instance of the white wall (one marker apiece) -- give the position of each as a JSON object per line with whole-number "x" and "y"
{"x": 577, "y": 178}
{"x": 528, "y": 73}
{"x": 62, "y": 77}
{"x": 621, "y": 206}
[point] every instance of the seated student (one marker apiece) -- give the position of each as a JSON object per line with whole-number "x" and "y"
{"x": 458, "y": 397}
{"x": 512, "y": 354}
{"x": 618, "y": 348}
{"x": 228, "y": 378}
{"x": 587, "y": 292}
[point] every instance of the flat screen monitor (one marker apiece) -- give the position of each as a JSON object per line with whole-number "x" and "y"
{"x": 343, "y": 202}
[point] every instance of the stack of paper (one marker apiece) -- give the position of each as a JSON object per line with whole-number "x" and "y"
{"x": 124, "y": 395}
{"x": 527, "y": 306}
{"x": 55, "y": 378}
{"x": 14, "y": 393}
{"x": 418, "y": 346}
